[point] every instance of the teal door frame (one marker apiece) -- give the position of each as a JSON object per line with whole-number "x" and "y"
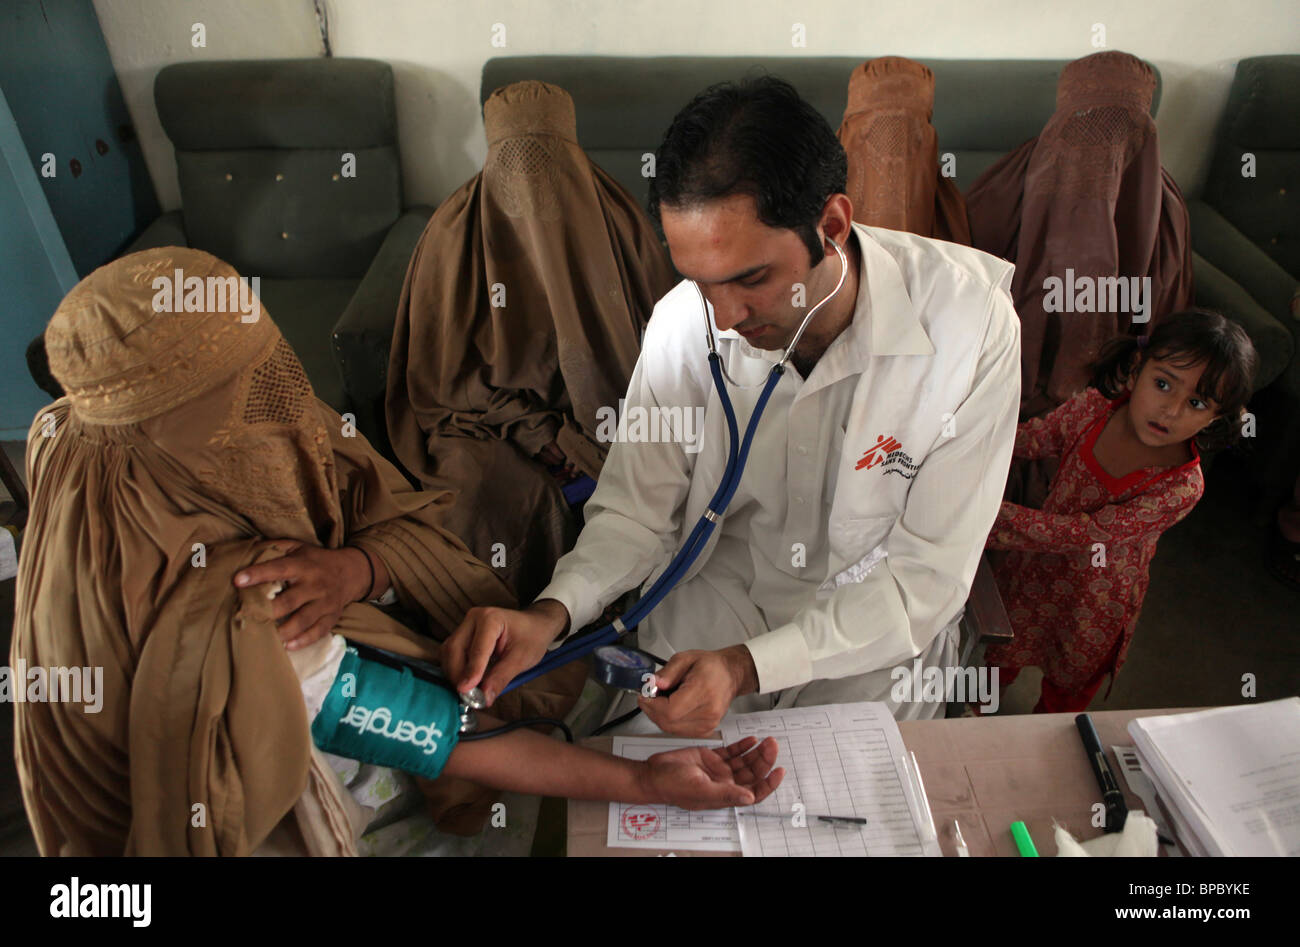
{"x": 36, "y": 272}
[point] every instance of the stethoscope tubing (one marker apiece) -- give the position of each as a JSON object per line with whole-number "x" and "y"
{"x": 737, "y": 458}
{"x": 685, "y": 557}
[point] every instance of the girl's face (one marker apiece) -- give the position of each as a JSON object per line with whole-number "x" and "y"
{"x": 1165, "y": 407}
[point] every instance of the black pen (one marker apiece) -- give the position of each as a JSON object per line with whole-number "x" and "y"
{"x": 842, "y": 819}
{"x": 1111, "y": 795}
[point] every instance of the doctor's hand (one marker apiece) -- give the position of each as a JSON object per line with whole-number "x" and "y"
{"x": 701, "y": 777}
{"x": 705, "y": 682}
{"x": 509, "y": 641}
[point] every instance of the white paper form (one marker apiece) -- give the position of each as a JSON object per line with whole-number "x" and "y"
{"x": 839, "y": 760}
{"x": 1231, "y": 774}
{"x": 667, "y": 827}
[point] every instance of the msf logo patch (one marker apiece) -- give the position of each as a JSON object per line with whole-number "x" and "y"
{"x": 888, "y": 454}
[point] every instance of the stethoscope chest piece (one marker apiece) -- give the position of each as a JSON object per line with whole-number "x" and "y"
{"x": 470, "y": 701}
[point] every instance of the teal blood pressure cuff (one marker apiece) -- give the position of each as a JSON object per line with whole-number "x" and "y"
{"x": 381, "y": 715}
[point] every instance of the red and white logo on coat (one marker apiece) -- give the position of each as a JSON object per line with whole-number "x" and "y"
{"x": 888, "y": 454}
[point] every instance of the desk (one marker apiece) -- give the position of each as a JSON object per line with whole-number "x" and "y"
{"x": 985, "y": 772}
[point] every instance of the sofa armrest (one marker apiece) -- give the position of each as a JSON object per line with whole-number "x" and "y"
{"x": 167, "y": 231}
{"x": 1232, "y": 252}
{"x": 1273, "y": 343}
{"x": 364, "y": 333}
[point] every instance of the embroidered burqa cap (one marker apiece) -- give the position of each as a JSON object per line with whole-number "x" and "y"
{"x": 122, "y": 354}
{"x": 894, "y": 178}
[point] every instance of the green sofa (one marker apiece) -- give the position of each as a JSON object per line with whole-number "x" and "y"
{"x": 983, "y": 108}
{"x": 1246, "y": 238}
{"x": 260, "y": 153}
{"x": 218, "y": 114}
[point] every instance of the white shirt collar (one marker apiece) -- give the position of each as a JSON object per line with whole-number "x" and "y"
{"x": 884, "y": 302}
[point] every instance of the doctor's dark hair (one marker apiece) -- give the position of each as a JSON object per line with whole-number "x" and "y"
{"x": 1188, "y": 338}
{"x": 755, "y": 137}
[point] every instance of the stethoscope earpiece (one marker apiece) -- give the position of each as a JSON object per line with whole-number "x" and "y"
{"x": 794, "y": 342}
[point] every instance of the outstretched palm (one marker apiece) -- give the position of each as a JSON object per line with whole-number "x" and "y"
{"x": 701, "y": 777}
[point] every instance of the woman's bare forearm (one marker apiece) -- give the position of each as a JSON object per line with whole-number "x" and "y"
{"x": 525, "y": 761}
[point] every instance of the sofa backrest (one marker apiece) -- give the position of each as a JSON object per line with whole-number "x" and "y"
{"x": 983, "y": 108}
{"x": 260, "y": 148}
{"x": 1261, "y": 127}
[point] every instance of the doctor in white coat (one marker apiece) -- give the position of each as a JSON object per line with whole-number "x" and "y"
{"x": 878, "y": 465}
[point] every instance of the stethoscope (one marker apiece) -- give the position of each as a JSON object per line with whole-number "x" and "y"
{"x": 585, "y": 643}
{"x": 470, "y": 702}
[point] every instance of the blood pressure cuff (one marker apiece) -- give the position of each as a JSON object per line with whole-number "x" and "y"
{"x": 388, "y": 717}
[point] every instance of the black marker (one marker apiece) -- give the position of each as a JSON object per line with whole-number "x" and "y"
{"x": 1111, "y": 795}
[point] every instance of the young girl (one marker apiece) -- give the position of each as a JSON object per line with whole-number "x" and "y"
{"x": 1077, "y": 572}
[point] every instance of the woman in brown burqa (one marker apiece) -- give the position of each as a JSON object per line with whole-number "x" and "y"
{"x": 1088, "y": 195}
{"x": 190, "y": 448}
{"x": 894, "y": 176}
{"x": 521, "y": 317}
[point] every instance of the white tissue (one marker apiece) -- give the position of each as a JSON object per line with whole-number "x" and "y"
{"x": 1137, "y": 840}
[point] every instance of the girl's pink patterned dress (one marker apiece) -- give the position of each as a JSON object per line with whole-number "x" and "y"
{"x": 1072, "y": 615}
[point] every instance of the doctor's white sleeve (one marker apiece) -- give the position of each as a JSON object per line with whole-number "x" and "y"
{"x": 933, "y": 549}
{"x": 633, "y": 518}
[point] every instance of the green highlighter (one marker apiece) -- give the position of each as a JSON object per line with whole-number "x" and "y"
{"x": 1023, "y": 841}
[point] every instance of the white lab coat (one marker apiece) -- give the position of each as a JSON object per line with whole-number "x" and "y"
{"x": 833, "y": 561}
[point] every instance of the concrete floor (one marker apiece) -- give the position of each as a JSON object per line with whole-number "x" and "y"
{"x": 1213, "y": 614}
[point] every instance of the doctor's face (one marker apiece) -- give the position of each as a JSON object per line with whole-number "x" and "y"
{"x": 746, "y": 269}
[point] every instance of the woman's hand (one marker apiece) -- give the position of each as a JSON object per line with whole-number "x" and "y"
{"x": 310, "y": 586}
{"x": 701, "y": 777}
{"x": 551, "y": 455}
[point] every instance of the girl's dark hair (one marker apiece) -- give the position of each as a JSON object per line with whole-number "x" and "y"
{"x": 755, "y": 137}
{"x": 1188, "y": 338}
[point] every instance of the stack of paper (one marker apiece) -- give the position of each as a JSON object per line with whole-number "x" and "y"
{"x": 1230, "y": 777}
